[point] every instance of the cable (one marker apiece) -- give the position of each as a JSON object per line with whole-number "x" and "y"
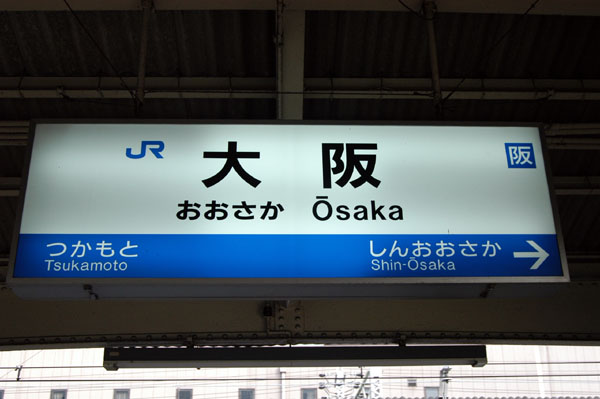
{"x": 491, "y": 49}
{"x": 22, "y": 363}
{"x": 263, "y": 379}
{"x": 204, "y": 390}
{"x": 183, "y": 368}
{"x": 414, "y": 12}
{"x": 374, "y": 92}
{"x": 261, "y": 389}
{"x": 92, "y": 101}
{"x": 87, "y": 32}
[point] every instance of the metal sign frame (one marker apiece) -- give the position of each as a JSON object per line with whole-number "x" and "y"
{"x": 61, "y": 287}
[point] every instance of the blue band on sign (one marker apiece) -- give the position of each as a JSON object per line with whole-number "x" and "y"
{"x": 285, "y": 256}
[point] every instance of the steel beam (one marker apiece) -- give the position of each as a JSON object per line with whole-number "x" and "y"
{"x": 146, "y": 10}
{"x": 116, "y": 94}
{"x": 566, "y": 313}
{"x": 408, "y": 84}
{"x": 546, "y": 7}
{"x": 576, "y": 185}
{"x": 294, "y": 88}
{"x": 429, "y": 6}
{"x": 10, "y": 186}
{"x": 559, "y": 136}
{"x": 570, "y": 129}
{"x": 14, "y": 133}
{"x": 279, "y": 56}
{"x": 567, "y": 143}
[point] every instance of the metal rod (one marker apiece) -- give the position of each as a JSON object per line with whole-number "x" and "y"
{"x": 429, "y": 8}
{"x": 312, "y": 88}
{"x": 147, "y": 8}
{"x": 279, "y": 46}
{"x": 270, "y": 93}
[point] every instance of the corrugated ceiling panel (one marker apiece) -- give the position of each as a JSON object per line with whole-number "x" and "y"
{"x": 580, "y": 220}
{"x": 535, "y": 46}
{"x": 350, "y": 44}
{"x": 454, "y": 110}
{"x": 547, "y": 111}
{"x": 575, "y": 163}
{"x": 358, "y": 44}
{"x": 122, "y": 109}
{"x": 8, "y": 209}
{"x": 373, "y": 44}
{"x": 11, "y": 160}
{"x": 198, "y": 43}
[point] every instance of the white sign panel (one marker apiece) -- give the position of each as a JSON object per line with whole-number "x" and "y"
{"x": 270, "y": 201}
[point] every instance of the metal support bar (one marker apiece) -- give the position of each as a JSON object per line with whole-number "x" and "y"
{"x": 13, "y": 133}
{"x": 293, "y": 65}
{"x": 576, "y": 185}
{"x": 279, "y": 55}
{"x": 568, "y": 143}
{"x": 147, "y": 8}
{"x": 429, "y": 8}
{"x": 5, "y": 192}
{"x": 204, "y": 93}
{"x": 481, "y": 95}
{"x": 296, "y": 87}
{"x": 568, "y": 129}
{"x": 10, "y": 186}
{"x": 572, "y": 7}
{"x": 559, "y": 136}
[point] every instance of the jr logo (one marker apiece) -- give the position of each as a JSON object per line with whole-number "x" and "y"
{"x": 155, "y": 147}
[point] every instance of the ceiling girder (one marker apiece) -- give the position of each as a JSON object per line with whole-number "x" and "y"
{"x": 559, "y": 136}
{"x": 335, "y": 88}
{"x": 291, "y": 83}
{"x": 546, "y": 7}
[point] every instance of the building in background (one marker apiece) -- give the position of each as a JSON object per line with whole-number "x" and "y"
{"x": 512, "y": 371}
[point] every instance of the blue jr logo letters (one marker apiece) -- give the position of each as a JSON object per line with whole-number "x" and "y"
{"x": 155, "y": 147}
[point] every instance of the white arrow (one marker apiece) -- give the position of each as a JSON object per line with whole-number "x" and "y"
{"x": 540, "y": 254}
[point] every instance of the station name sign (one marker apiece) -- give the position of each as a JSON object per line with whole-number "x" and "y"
{"x": 277, "y": 203}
